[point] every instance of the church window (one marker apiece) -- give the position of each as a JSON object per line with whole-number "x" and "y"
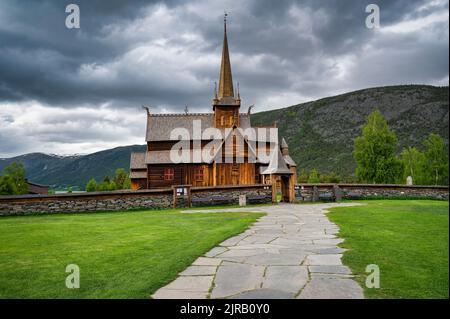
{"x": 168, "y": 174}
{"x": 198, "y": 174}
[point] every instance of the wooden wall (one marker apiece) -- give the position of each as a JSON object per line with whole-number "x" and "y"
{"x": 183, "y": 174}
{"x": 226, "y": 116}
{"x": 235, "y": 173}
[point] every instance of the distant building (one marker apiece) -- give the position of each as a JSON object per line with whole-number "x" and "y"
{"x": 155, "y": 168}
{"x": 34, "y": 188}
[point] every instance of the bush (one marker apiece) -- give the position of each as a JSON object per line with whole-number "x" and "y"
{"x": 314, "y": 177}
{"x": 13, "y": 181}
{"x": 91, "y": 186}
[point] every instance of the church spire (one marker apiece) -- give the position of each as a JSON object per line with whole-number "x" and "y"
{"x": 225, "y": 80}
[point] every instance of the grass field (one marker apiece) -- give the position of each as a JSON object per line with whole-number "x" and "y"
{"x": 120, "y": 254}
{"x": 407, "y": 239}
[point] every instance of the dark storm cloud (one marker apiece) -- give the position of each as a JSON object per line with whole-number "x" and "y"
{"x": 167, "y": 55}
{"x": 40, "y": 59}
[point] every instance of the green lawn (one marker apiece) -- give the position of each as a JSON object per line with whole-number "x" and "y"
{"x": 407, "y": 239}
{"x": 120, "y": 254}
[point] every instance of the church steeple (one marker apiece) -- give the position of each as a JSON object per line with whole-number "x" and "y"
{"x": 226, "y": 102}
{"x": 225, "y": 79}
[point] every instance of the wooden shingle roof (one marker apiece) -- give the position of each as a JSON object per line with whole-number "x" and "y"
{"x": 277, "y": 165}
{"x": 137, "y": 161}
{"x": 159, "y": 126}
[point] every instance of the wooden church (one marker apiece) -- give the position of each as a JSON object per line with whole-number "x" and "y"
{"x": 156, "y": 169}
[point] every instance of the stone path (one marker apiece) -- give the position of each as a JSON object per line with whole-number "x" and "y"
{"x": 289, "y": 253}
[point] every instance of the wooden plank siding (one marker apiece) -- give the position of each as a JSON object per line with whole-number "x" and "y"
{"x": 184, "y": 174}
{"x": 206, "y": 174}
{"x": 235, "y": 173}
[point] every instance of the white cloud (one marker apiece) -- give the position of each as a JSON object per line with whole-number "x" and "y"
{"x": 34, "y": 127}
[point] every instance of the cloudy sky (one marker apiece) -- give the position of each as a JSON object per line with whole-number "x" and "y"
{"x": 69, "y": 91}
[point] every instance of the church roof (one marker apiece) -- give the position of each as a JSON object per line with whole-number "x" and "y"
{"x": 159, "y": 126}
{"x": 164, "y": 157}
{"x": 277, "y": 164}
{"x": 137, "y": 161}
{"x": 289, "y": 160}
{"x": 283, "y": 143}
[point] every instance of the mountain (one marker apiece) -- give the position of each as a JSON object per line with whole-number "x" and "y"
{"x": 64, "y": 171}
{"x": 320, "y": 134}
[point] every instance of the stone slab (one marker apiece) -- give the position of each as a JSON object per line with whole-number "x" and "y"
{"x": 191, "y": 283}
{"x": 330, "y": 269}
{"x": 331, "y": 288}
{"x": 205, "y": 261}
{"x": 233, "y": 278}
{"x": 286, "y": 278}
{"x": 319, "y": 260}
{"x": 199, "y": 271}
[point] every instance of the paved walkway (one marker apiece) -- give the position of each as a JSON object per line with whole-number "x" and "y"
{"x": 289, "y": 253}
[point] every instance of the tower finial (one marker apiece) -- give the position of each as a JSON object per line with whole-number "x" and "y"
{"x": 225, "y": 14}
{"x": 147, "y": 109}
{"x": 215, "y": 90}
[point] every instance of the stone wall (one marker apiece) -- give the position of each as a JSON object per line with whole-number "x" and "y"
{"x": 124, "y": 200}
{"x": 85, "y": 202}
{"x": 319, "y": 192}
{"x": 216, "y": 195}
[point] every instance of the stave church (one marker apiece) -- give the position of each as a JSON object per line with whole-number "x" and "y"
{"x": 236, "y": 158}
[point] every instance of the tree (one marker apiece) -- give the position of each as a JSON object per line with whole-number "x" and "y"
{"x": 435, "y": 160}
{"x": 112, "y": 186}
{"x": 120, "y": 178}
{"x": 413, "y": 161}
{"x": 91, "y": 185}
{"x": 13, "y": 181}
{"x": 329, "y": 178}
{"x": 6, "y": 186}
{"x": 127, "y": 183}
{"x": 314, "y": 177}
{"x": 374, "y": 152}
{"x": 103, "y": 186}
{"x": 303, "y": 176}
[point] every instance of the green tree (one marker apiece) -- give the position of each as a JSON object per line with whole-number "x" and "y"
{"x": 435, "y": 160}
{"x": 314, "y": 177}
{"x": 103, "y": 186}
{"x": 70, "y": 190}
{"x": 6, "y": 186}
{"x": 91, "y": 185}
{"x": 127, "y": 183}
{"x": 413, "y": 161}
{"x": 330, "y": 178}
{"x": 120, "y": 178}
{"x": 112, "y": 186}
{"x": 303, "y": 176}
{"x": 13, "y": 181}
{"x": 374, "y": 152}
